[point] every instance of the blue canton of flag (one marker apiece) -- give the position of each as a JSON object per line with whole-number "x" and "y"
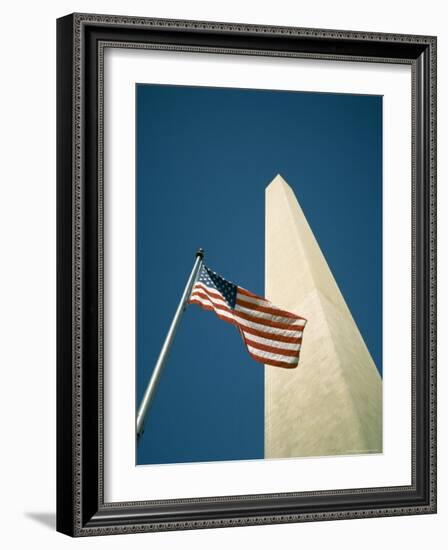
{"x": 211, "y": 279}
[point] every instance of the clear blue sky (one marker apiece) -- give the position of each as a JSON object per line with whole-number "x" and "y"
{"x": 204, "y": 158}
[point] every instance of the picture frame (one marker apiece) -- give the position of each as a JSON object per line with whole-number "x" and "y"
{"x": 81, "y": 506}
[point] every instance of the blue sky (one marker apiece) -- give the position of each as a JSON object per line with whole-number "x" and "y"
{"x": 204, "y": 158}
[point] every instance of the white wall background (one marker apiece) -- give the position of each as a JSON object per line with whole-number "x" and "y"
{"x": 28, "y": 301}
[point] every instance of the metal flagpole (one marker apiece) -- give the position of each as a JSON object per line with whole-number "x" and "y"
{"x": 152, "y": 385}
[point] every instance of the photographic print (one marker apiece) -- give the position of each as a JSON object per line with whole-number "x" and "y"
{"x": 267, "y": 342}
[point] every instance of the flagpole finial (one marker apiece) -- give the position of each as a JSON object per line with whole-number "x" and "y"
{"x": 200, "y": 253}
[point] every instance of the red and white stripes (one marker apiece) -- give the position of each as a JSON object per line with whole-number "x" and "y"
{"x": 272, "y": 336}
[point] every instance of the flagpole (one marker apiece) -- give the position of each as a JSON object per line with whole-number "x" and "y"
{"x": 155, "y": 377}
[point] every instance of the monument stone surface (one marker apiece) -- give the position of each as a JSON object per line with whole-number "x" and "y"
{"x": 331, "y": 404}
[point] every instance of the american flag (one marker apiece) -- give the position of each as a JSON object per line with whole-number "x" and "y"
{"x": 272, "y": 336}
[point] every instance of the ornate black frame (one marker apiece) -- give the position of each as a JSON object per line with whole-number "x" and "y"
{"x": 81, "y": 39}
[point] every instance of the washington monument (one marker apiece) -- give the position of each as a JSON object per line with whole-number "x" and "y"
{"x": 331, "y": 404}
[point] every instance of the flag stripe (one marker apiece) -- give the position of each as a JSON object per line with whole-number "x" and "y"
{"x": 270, "y": 317}
{"x": 270, "y": 355}
{"x": 269, "y": 341}
{"x": 222, "y": 309}
{"x": 277, "y": 337}
{"x": 273, "y": 363}
{"x": 269, "y": 331}
{"x": 206, "y": 295}
{"x": 252, "y": 300}
{"x": 265, "y": 322}
{"x": 251, "y": 305}
{"x": 271, "y": 349}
